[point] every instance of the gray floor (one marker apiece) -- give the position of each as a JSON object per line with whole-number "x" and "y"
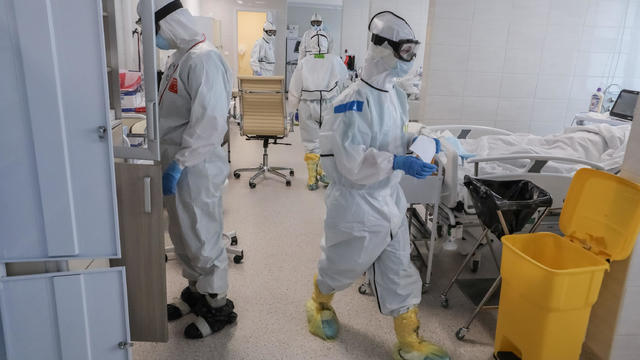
{"x": 280, "y": 229}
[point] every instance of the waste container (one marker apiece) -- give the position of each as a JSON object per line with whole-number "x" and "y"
{"x": 550, "y": 282}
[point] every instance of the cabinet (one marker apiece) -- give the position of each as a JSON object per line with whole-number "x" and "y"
{"x": 58, "y": 188}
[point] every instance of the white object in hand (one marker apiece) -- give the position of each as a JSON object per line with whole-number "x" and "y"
{"x": 425, "y": 147}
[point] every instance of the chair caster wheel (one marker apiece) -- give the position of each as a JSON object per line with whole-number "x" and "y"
{"x": 461, "y": 333}
{"x": 475, "y": 265}
{"x": 444, "y": 302}
{"x": 363, "y": 290}
{"x": 238, "y": 259}
{"x": 288, "y": 183}
{"x": 291, "y": 173}
{"x": 234, "y": 240}
{"x": 236, "y": 175}
{"x": 252, "y": 185}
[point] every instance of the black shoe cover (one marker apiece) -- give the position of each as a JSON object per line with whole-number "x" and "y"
{"x": 189, "y": 297}
{"x": 215, "y": 318}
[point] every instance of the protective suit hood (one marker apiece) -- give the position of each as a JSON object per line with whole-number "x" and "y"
{"x": 319, "y": 43}
{"x": 177, "y": 27}
{"x": 381, "y": 66}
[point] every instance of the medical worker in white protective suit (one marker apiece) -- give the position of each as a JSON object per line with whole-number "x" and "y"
{"x": 363, "y": 148}
{"x": 193, "y": 102}
{"x": 317, "y": 80}
{"x": 263, "y": 59}
{"x": 305, "y": 48}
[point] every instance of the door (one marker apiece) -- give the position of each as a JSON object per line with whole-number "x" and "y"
{"x": 65, "y": 316}
{"x": 250, "y": 25}
{"x": 139, "y": 190}
{"x": 58, "y": 184}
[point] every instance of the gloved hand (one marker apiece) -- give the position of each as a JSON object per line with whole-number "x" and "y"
{"x": 413, "y": 166}
{"x": 170, "y": 178}
{"x": 258, "y": 73}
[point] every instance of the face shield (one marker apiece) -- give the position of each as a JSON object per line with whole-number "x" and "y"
{"x": 388, "y": 27}
{"x": 162, "y": 13}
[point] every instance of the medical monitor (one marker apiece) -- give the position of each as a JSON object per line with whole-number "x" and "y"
{"x": 625, "y": 104}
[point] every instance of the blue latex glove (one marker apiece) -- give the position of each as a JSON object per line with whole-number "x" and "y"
{"x": 413, "y": 166}
{"x": 258, "y": 73}
{"x": 170, "y": 178}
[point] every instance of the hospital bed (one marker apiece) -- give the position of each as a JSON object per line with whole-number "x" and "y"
{"x": 551, "y": 172}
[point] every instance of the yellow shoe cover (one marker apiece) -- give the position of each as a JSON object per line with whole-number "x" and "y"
{"x": 410, "y": 346}
{"x": 322, "y": 177}
{"x": 312, "y": 167}
{"x": 321, "y": 317}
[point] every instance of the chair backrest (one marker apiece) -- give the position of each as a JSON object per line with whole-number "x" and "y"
{"x": 262, "y": 105}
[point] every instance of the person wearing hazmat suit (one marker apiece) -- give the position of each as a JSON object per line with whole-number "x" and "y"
{"x": 263, "y": 59}
{"x": 317, "y": 80}
{"x": 305, "y": 48}
{"x": 193, "y": 101}
{"x": 363, "y": 146}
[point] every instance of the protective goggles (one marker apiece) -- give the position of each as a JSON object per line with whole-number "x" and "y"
{"x": 162, "y": 13}
{"x": 270, "y": 32}
{"x": 316, "y": 22}
{"x": 404, "y": 50}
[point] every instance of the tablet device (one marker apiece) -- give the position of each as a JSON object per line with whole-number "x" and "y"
{"x": 625, "y": 104}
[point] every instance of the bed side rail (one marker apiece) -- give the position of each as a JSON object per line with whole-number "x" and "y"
{"x": 536, "y": 162}
{"x": 469, "y": 131}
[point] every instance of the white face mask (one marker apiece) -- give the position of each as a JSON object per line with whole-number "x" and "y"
{"x": 401, "y": 68}
{"x": 269, "y": 37}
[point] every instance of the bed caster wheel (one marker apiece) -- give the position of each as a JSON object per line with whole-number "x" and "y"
{"x": 461, "y": 333}
{"x": 288, "y": 183}
{"x": 362, "y": 289}
{"x": 475, "y": 266}
{"x": 252, "y": 185}
{"x": 444, "y": 302}
{"x": 234, "y": 240}
{"x": 236, "y": 175}
{"x": 292, "y": 173}
{"x": 238, "y": 259}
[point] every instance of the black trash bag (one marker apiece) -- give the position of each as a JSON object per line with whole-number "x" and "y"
{"x": 517, "y": 199}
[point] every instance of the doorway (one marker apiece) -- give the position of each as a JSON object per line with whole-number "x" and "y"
{"x": 249, "y": 31}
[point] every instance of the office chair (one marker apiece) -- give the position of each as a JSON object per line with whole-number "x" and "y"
{"x": 263, "y": 117}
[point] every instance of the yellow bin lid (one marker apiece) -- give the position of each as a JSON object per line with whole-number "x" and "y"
{"x": 602, "y": 212}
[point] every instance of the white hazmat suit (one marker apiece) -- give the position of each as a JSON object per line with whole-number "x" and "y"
{"x": 193, "y": 102}
{"x": 263, "y": 60}
{"x": 305, "y": 48}
{"x": 365, "y": 226}
{"x": 317, "y": 80}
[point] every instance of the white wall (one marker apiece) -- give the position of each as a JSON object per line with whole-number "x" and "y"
{"x": 355, "y": 18}
{"x": 300, "y": 14}
{"x": 526, "y": 65}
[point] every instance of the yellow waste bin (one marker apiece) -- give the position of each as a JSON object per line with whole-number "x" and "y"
{"x": 550, "y": 282}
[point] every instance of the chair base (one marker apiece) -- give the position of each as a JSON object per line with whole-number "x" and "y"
{"x": 231, "y": 243}
{"x": 262, "y": 170}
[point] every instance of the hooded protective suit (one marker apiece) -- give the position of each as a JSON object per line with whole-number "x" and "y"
{"x": 316, "y": 81}
{"x": 263, "y": 60}
{"x": 365, "y": 226}
{"x": 193, "y": 104}
{"x": 306, "y": 43}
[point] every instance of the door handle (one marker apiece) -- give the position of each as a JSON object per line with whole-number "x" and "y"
{"x": 147, "y": 194}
